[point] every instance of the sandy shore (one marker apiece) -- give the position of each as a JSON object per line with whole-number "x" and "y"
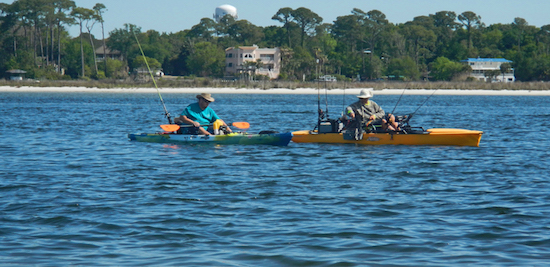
{"x": 353, "y": 91}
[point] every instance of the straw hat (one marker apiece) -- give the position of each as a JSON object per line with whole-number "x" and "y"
{"x": 365, "y": 93}
{"x": 206, "y": 96}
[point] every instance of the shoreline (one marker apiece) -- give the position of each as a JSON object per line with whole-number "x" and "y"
{"x": 348, "y": 91}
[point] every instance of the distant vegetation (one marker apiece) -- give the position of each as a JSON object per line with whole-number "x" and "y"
{"x": 356, "y": 46}
{"x": 275, "y": 84}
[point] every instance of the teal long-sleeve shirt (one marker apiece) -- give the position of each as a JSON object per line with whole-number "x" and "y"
{"x": 195, "y": 113}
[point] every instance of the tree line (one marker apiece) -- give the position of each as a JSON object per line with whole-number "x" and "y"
{"x": 361, "y": 45}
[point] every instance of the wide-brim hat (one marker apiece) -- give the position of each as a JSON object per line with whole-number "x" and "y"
{"x": 206, "y": 96}
{"x": 365, "y": 93}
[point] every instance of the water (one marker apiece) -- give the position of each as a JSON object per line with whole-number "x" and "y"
{"x": 75, "y": 191}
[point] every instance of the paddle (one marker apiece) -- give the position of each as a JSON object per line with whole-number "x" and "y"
{"x": 175, "y": 127}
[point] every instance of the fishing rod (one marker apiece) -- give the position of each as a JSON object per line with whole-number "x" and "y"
{"x": 326, "y": 97}
{"x": 398, "y": 101}
{"x": 423, "y": 103}
{"x": 319, "y": 111}
{"x": 344, "y": 100}
{"x": 166, "y": 113}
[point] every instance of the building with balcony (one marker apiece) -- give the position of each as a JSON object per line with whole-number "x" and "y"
{"x": 253, "y": 60}
{"x": 488, "y": 69}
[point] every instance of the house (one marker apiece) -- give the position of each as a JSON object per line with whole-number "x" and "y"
{"x": 16, "y": 75}
{"x": 253, "y": 60}
{"x": 488, "y": 69}
{"x": 101, "y": 54}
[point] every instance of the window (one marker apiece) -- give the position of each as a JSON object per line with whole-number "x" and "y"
{"x": 267, "y": 57}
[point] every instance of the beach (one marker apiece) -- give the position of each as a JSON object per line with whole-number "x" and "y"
{"x": 349, "y": 91}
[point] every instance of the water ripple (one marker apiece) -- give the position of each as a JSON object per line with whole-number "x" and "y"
{"x": 77, "y": 192}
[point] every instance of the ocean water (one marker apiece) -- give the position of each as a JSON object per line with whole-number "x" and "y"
{"x": 75, "y": 191}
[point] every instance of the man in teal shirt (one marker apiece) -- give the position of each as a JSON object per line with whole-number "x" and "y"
{"x": 198, "y": 114}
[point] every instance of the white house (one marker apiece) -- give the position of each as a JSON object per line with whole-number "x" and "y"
{"x": 481, "y": 68}
{"x": 247, "y": 59}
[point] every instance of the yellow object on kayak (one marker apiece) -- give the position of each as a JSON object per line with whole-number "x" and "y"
{"x": 217, "y": 124}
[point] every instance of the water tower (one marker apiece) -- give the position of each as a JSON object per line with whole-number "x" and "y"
{"x": 225, "y": 10}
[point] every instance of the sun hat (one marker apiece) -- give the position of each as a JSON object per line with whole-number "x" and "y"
{"x": 206, "y": 96}
{"x": 365, "y": 93}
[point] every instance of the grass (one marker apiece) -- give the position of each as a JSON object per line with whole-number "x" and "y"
{"x": 219, "y": 83}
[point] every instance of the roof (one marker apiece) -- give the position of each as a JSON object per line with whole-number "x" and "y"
{"x": 107, "y": 51}
{"x": 503, "y": 60}
{"x": 16, "y": 71}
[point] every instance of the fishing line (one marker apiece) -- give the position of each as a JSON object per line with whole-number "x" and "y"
{"x": 166, "y": 113}
{"x": 398, "y": 101}
{"x": 424, "y": 102}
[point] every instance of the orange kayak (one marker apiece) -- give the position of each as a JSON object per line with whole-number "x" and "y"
{"x": 434, "y": 137}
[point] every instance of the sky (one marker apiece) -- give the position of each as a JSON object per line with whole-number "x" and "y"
{"x": 171, "y": 16}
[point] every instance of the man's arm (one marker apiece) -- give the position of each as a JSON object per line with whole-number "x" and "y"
{"x": 183, "y": 119}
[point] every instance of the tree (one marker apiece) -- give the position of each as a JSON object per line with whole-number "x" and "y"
{"x": 72, "y": 57}
{"x": 90, "y": 22}
{"x": 372, "y": 25}
{"x": 273, "y": 36}
{"x": 142, "y": 62}
{"x": 123, "y": 39}
{"x": 403, "y": 67}
{"x": 420, "y": 41}
{"x": 544, "y": 38}
{"x": 491, "y": 40}
{"x": 542, "y": 69}
{"x": 245, "y": 33}
{"x": 307, "y": 20}
{"x": 223, "y": 25}
{"x": 284, "y": 15}
{"x": 82, "y": 15}
{"x": 520, "y": 26}
{"x": 471, "y": 21}
{"x": 347, "y": 30}
{"x": 300, "y": 64}
{"x": 206, "y": 60}
{"x": 61, "y": 18}
{"x": 251, "y": 67}
{"x": 445, "y": 26}
{"x": 99, "y": 9}
{"x": 442, "y": 69}
{"x": 505, "y": 68}
{"x": 204, "y": 30}
{"x": 491, "y": 74}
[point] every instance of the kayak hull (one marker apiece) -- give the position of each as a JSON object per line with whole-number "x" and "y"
{"x": 275, "y": 139}
{"x": 435, "y": 137}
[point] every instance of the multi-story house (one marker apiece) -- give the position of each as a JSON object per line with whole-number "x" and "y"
{"x": 488, "y": 69}
{"x": 253, "y": 60}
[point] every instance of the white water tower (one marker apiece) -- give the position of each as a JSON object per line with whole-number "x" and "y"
{"x": 225, "y": 10}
